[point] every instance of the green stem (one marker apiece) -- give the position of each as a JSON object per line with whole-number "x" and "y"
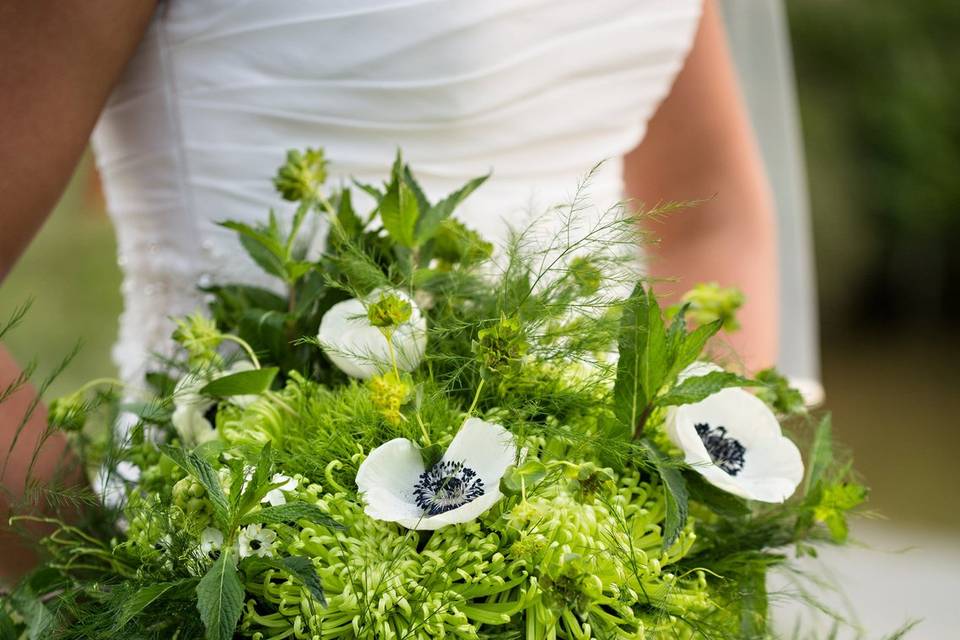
{"x": 246, "y": 347}
{"x": 100, "y": 381}
{"x": 476, "y": 397}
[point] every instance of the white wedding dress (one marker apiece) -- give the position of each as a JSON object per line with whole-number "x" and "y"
{"x": 537, "y": 90}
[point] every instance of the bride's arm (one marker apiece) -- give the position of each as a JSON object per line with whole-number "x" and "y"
{"x": 59, "y": 62}
{"x": 700, "y": 145}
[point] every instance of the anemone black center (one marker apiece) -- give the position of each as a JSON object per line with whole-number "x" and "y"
{"x": 446, "y": 486}
{"x": 726, "y": 452}
{"x": 255, "y": 544}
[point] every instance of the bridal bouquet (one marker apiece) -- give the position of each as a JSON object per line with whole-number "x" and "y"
{"x": 413, "y": 436}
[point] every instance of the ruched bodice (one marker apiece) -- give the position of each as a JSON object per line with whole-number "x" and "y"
{"x": 536, "y": 90}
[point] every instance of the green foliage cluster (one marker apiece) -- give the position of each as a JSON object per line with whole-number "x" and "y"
{"x": 602, "y": 531}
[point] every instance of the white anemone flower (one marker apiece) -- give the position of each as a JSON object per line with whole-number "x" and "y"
{"x": 735, "y": 442}
{"x": 211, "y": 541}
{"x": 464, "y": 484}
{"x": 190, "y": 408}
{"x": 360, "y": 349}
{"x": 112, "y": 485}
{"x": 190, "y": 411}
{"x": 255, "y": 540}
{"x": 275, "y": 496}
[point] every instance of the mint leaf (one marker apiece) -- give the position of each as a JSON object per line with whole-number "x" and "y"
{"x": 821, "y": 454}
{"x": 220, "y": 597}
{"x": 199, "y": 468}
{"x": 289, "y": 513}
{"x": 644, "y": 360}
{"x": 430, "y": 221}
{"x": 262, "y": 245}
{"x": 717, "y": 500}
{"x": 259, "y": 483}
{"x": 302, "y": 568}
{"x": 692, "y": 346}
{"x": 350, "y": 223}
{"x": 675, "y": 489}
{"x": 139, "y": 601}
{"x": 38, "y": 618}
{"x": 422, "y": 203}
{"x": 398, "y": 208}
{"x": 697, "y": 388}
{"x": 241, "y": 383}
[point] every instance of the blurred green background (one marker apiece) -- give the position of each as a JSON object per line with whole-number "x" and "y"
{"x": 879, "y": 86}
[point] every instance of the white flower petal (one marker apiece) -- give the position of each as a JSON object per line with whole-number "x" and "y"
{"x": 275, "y": 498}
{"x": 470, "y": 511}
{"x": 697, "y": 369}
{"x": 361, "y": 350}
{"x": 386, "y": 480}
{"x": 485, "y": 447}
{"x": 210, "y": 540}
{"x": 772, "y": 466}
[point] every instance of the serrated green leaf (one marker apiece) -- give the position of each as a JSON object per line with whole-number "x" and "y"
{"x": 38, "y": 619}
{"x": 347, "y": 218}
{"x": 821, "y": 453}
{"x": 220, "y": 598}
{"x": 139, "y": 601}
{"x": 289, "y": 513}
{"x": 241, "y": 383}
{"x": 261, "y": 245}
{"x": 398, "y": 208}
{"x": 717, "y": 500}
{"x": 8, "y": 629}
{"x": 369, "y": 189}
{"x": 199, "y": 468}
{"x": 423, "y": 204}
{"x": 302, "y": 567}
{"x": 697, "y": 388}
{"x": 692, "y": 347}
{"x": 644, "y": 359}
{"x": 431, "y": 218}
{"x": 259, "y": 483}
{"x": 675, "y": 490}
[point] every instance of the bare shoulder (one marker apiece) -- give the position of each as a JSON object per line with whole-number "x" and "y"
{"x": 60, "y": 60}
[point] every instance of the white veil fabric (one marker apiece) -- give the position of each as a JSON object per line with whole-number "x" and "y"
{"x": 760, "y": 43}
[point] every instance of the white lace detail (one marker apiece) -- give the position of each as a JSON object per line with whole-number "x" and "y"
{"x": 539, "y": 90}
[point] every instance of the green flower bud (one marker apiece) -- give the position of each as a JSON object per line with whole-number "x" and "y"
{"x": 389, "y": 311}
{"x": 199, "y": 335}
{"x": 586, "y": 275}
{"x": 302, "y": 175}
{"x": 710, "y": 302}
{"x": 69, "y": 413}
{"x": 502, "y": 347}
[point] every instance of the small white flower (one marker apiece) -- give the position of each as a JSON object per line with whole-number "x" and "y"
{"x": 254, "y": 540}
{"x": 275, "y": 496}
{"x": 211, "y": 540}
{"x": 360, "y": 349}
{"x": 399, "y": 488}
{"x": 734, "y": 441}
